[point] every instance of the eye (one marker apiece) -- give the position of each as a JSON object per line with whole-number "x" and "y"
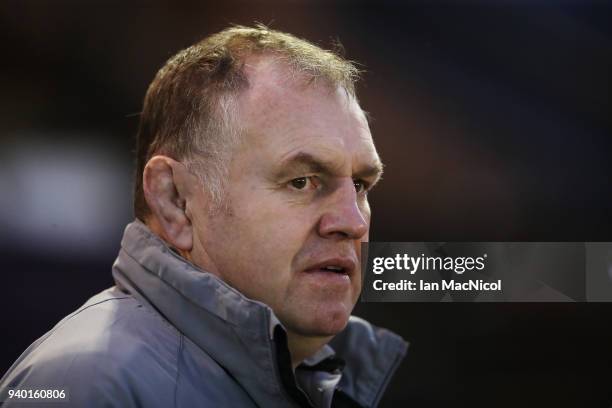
{"x": 299, "y": 183}
{"x": 360, "y": 186}
{"x": 303, "y": 183}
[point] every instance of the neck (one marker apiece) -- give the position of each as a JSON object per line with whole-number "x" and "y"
{"x": 302, "y": 347}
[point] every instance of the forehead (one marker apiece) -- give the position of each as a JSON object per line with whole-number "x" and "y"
{"x": 282, "y": 112}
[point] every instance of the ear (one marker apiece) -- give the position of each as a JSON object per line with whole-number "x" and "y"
{"x": 166, "y": 195}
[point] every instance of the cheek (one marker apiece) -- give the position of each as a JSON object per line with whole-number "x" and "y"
{"x": 264, "y": 239}
{"x": 270, "y": 220}
{"x": 275, "y": 243}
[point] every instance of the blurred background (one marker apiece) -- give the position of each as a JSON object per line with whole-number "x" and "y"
{"x": 493, "y": 118}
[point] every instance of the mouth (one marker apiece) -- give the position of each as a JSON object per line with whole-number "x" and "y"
{"x": 340, "y": 266}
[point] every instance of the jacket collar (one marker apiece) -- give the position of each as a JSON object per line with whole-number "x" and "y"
{"x": 237, "y": 332}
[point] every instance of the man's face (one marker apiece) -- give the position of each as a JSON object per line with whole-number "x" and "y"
{"x": 297, "y": 207}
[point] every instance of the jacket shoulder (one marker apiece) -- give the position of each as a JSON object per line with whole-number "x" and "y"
{"x": 372, "y": 355}
{"x": 113, "y": 351}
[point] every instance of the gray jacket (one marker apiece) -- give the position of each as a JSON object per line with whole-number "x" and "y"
{"x": 169, "y": 335}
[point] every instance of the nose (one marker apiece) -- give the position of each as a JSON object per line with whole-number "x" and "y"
{"x": 343, "y": 218}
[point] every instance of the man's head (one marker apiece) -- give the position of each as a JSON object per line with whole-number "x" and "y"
{"x": 255, "y": 161}
{"x": 189, "y": 110}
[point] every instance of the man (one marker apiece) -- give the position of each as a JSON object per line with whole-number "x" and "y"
{"x": 234, "y": 286}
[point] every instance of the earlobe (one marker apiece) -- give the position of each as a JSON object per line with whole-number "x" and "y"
{"x": 161, "y": 178}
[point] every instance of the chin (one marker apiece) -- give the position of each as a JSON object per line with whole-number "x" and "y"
{"x": 324, "y": 321}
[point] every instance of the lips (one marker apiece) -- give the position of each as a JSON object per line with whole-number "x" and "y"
{"x": 342, "y": 266}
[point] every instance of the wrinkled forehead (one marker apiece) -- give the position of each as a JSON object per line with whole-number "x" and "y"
{"x": 274, "y": 85}
{"x": 279, "y": 99}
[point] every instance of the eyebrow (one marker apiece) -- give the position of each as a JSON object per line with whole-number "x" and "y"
{"x": 308, "y": 162}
